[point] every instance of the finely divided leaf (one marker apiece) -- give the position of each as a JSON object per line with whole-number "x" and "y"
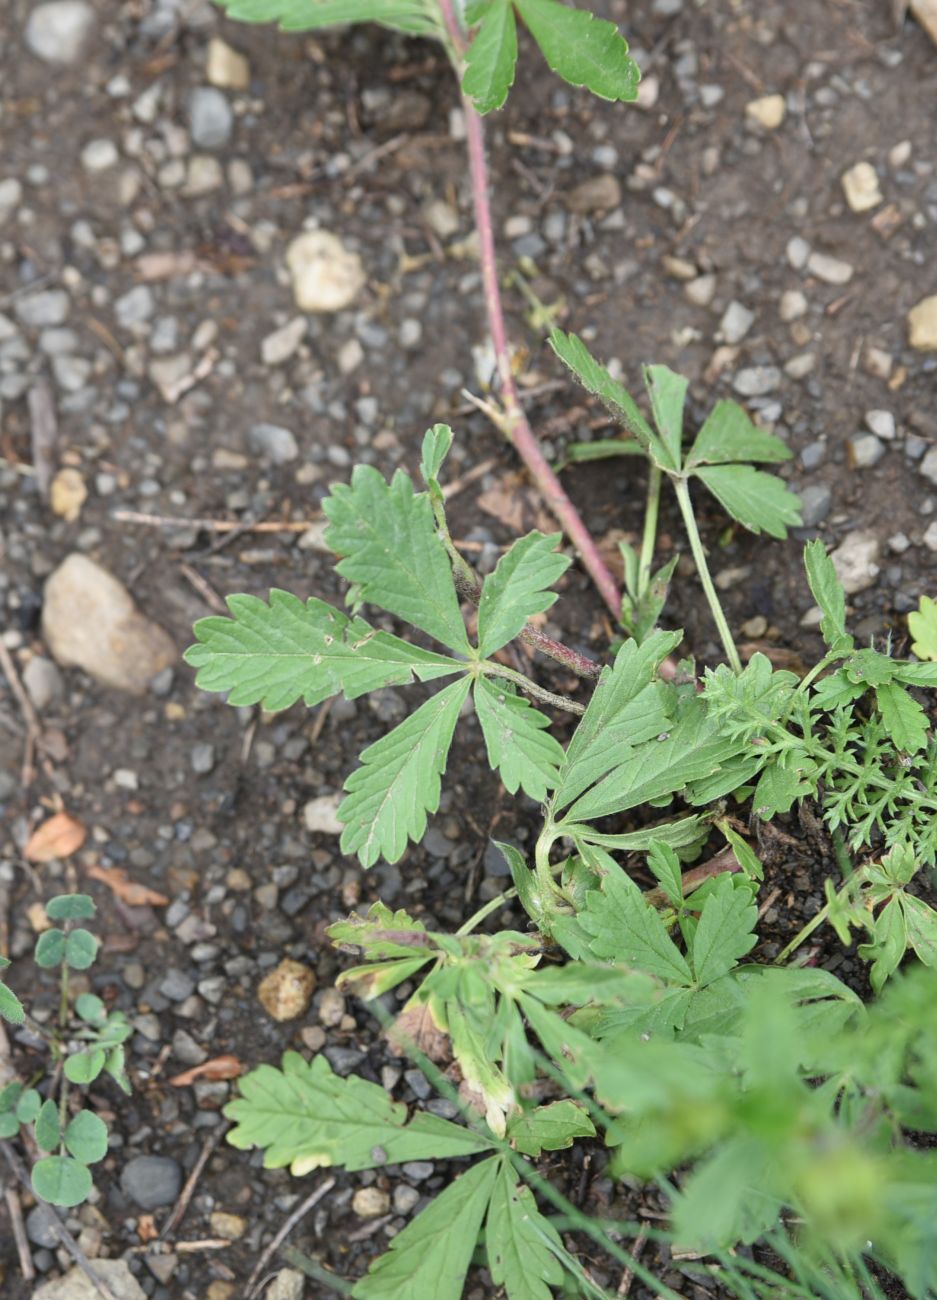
{"x": 904, "y": 719}
{"x": 398, "y": 781}
{"x": 414, "y": 16}
{"x": 518, "y": 744}
{"x": 518, "y": 588}
{"x": 667, "y": 392}
{"x": 583, "y": 50}
{"x": 729, "y": 435}
{"x": 436, "y": 444}
{"x": 595, "y": 379}
{"x": 291, "y": 649}
{"x": 725, "y": 931}
{"x": 758, "y": 501}
{"x": 626, "y": 708}
{"x": 827, "y": 592}
{"x": 628, "y": 930}
{"x": 522, "y": 1245}
{"x": 392, "y": 555}
{"x": 431, "y": 1256}
{"x": 491, "y": 58}
{"x": 306, "y": 1116}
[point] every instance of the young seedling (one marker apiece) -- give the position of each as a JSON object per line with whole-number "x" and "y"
{"x": 72, "y": 1138}
{"x": 638, "y": 1012}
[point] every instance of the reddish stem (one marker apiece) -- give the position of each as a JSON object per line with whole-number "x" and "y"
{"x": 516, "y": 425}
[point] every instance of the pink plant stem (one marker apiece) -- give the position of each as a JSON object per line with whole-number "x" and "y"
{"x": 516, "y": 424}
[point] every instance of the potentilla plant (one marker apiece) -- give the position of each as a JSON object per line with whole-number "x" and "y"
{"x": 608, "y": 1011}
{"x": 85, "y": 1042}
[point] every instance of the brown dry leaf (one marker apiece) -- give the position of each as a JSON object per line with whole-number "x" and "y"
{"x": 146, "y": 1228}
{"x": 416, "y": 1024}
{"x": 127, "y": 890}
{"x": 517, "y": 505}
{"x": 59, "y": 837}
{"x": 215, "y": 1070}
{"x": 925, "y": 11}
{"x": 779, "y": 655}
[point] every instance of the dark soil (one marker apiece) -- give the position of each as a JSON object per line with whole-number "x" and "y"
{"x": 353, "y": 132}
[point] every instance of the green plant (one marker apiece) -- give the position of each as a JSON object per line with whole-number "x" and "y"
{"x": 72, "y": 1137}
{"x": 922, "y": 624}
{"x": 632, "y": 1012}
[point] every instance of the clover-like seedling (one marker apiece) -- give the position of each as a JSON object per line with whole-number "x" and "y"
{"x": 70, "y": 1140}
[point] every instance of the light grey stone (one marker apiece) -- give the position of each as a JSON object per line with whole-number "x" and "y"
{"x": 815, "y": 502}
{"x": 46, "y": 307}
{"x": 210, "y": 118}
{"x": 856, "y": 560}
{"x": 57, "y": 32}
{"x": 151, "y": 1181}
{"x": 756, "y": 381}
{"x": 272, "y": 442}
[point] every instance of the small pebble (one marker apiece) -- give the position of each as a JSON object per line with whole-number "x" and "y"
{"x": 769, "y": 111}
{"x": 151, "y": 1181}
{"x": 829, "y": 269}
{"x": 882, "y": 424}
{"x": 370, "y": 1202}
{"x": 210, "y": 118}
{"x": 735, "y": 324}
{"x": 815, "y": 502}
{"x": 864, "y": 450}
{"x": 756, "y": 381}
{"x": 861, "y": 187}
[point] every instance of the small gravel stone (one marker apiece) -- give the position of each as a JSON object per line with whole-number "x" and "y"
{"x": 798, "y": 250}
{"x": 865, "y": 450}
{"x": 406, "y": 1198}
{"x": 736, "y": 322}
{"x": 815, "y": 502}
{"x": 598, "y": 194}
{"x": 756, "y": 381}
{"x": 856, "y": 560}
{"x": 829, "y": 269}
{"x": 287, "y": 991}
{"x": 99, "y": 155}
{"x": 43, "y": 682}
{"x": 283, "y": 343}
{"x": 792, "y": 306}
{"x": 202, "y": 758}
{"x": 701, "y": 291}
{"x": 860, "y": 185}
{"x": 769, "y": 111}
{"x": 331, "y": 1007}
{"x": 288, "y": 1284}
{"x": 928, "y": 467}
{"x": 930, "y": 537}
{"x": 922, "y": 325}
{"x": 319, "y": 815}
{"x": 39, "y": 310}
{"x": 882, "y": 424}
{"x": 151, "y": 1181}
{"x": 11, "y": 192}
{"x": 57, "y": 32}
{"x": 814, "y": 454}
{"x": 135, "y": 306}
{"x": 418, "y": 1170}
{"x": 40, "y": 1228}
{"x": 176, "y": 985}
{"x": 273, "y": 443}
{"x": 225, "y": 67}
{"x": 370, "y": 1202}
{"x": 210, "y": 118}
{"x": 326, "y": 276}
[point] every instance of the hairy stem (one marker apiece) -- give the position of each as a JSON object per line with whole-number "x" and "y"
{"x": 581, "y": 664}
{"x": 649, "y": 537}
{"x": 492, "y": 669}
{"x": 515, "y": 423}
{"x": 699, "y": 555}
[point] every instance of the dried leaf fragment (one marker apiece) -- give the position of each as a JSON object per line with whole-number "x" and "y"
{"x": 215, "y": 1070}
{"x": 58, "y": 837}
{"x": 127, "y": 890}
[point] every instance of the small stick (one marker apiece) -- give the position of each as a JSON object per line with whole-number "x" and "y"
{"x": 204, "y": 588}
{"x": 63, "y": 1234}
{"x": 214, "y": 525}
{"x": 19, "y": 1233}
{"x": 33, "y": 727}
{"x": 640, "y": 1241}
{"x": 725, "y": 860}
{"x": 300, "y": 1212}
{"x": 185, "y": 1195}
{"x": 179, "y": 1247}
{"x": 459, "y": 484}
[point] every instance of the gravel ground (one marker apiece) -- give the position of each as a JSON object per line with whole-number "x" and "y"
{"x": 232, "y": 264}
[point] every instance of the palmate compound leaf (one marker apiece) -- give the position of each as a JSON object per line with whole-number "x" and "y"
{"x": 292, "y": 649}
{"x": 491, "y": 58}
{"x": 415, "y": 16}
{"x": 306, "y": 1117}
{"x": 583, "y": 50}
{"x": 667, "y": 393}
{"x": 518, "y": 744}
{"x": 626, "y": 929}
{"x": 398, "y": 781}
{"x": 904, "y": 719}
{"x": 522, "y": 1245}
{"x": 518, "y": 587}
{"x": 392, "y": 554}
{"x": 758, "y": 501}
{"x": 431, "y": 1256}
